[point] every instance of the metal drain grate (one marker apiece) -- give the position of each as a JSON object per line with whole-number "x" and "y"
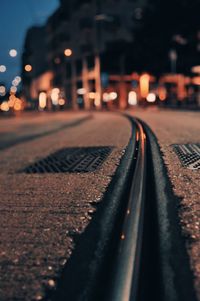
{"x": 189, "y": 154}
{"x": 77, "y": 159}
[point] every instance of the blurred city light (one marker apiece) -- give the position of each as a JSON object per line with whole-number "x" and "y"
{"x": 15, "y": 83}
{"x": 179, "y": 39}
{"x": 144, "y": 85}
{"x": 61, "y": 101}
{"x": 92, "y": 95}
{"x": 106, "y": 97}
{"x": 11, "y": 100}
{"x": 81, "y": 91}
{"x": 151, "y": 97}
{"x": 113, "y": 95}
{"x": 13, "y": 89}
{"x": 97, "y": 101}
{"x": 162, "y": 93}
{"x": 13, "y": 52}
{"x": 2, "y": 68}
{"x": 132, "y": 98}
{"x": 195, "y": 69}
{"x": 55, "y": 90}
{"x": 5, "y": 106}
{"x": 18, "y": 78}
{"x": 42, "y": 100}
{"x": 2, "y": 91}
{"x": 196, "y": 80}
{"x": 28, "y": 68}
{"x": 68, "y": 52}
{"x": 55, "y": 96}
{"x": 109, "y": 96}
{"x": 15, "y": 103}
{"x": 18, "y": 105}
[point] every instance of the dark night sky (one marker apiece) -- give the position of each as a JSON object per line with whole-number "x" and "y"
{"x": 16, "y": 16}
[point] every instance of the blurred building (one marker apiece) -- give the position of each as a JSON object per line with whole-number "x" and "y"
{"x": 36, "y": 75}
{"x": 89, "y": 41}
{"x": 94, "y": 53}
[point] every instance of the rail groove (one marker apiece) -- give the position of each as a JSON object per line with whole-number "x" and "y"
{"x": 105, "y": 263}
{"x": 125, "y": 282}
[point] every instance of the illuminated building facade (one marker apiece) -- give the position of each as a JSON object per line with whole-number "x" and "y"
{"x": 99, "y": 35}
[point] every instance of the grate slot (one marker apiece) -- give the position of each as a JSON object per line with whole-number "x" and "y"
{"x": 188, "y": 154}
{"x": 76, "y": 159}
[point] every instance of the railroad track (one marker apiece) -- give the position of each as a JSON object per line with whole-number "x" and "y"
{"x": 116, "y": 230}
{"x": 124, "y": 254}
{"x": 125, "y": 280}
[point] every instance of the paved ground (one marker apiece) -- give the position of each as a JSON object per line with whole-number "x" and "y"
{"x": 29, "y": 126}
{"x": 175, "y": 127}
{"x": 40, "y": 212}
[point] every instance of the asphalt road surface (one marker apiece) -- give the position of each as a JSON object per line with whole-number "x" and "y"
{"x": 180, "y": 127}
{"x": 41, "y": 212}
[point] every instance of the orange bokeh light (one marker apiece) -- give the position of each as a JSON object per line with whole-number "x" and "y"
{"x": 144, "y": 85}
{"x": 28, "y": 68}
{"x": 68, "y": 52}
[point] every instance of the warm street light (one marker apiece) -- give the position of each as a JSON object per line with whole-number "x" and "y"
{"x": 61, "y": 101}
{"x": 196, "y": 69}
{"x": 132, "y": 98}
{"x": 151, "y": 97}
{"x": 42, "y": 100}
{"x": 4, "y": 106}
{"x": 28, "y": 68}
{"x": 68, "y": 52}
{"x": 55, "y": 96}
{"x": 144, "y": 85}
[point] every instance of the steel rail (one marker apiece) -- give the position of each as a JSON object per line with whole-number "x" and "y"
{"x": 127, "y": 264}
{"x": 108, "y": 268}
{"x": 126, "y": 252}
